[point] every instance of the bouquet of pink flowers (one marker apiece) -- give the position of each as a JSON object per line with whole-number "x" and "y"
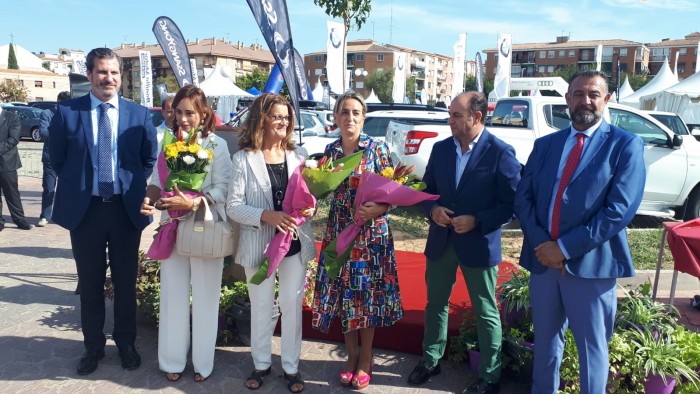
{"x": 381, "y": 188}
{"x": 325, "y": 175}
{"x": 296, "y": 198}
{"x": 185, "y": 163}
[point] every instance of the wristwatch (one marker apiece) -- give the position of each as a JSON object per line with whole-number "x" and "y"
{"x": 195, "y": 203}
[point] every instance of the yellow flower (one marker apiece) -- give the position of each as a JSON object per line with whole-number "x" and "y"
{"x": 211, "y": 153}
{"x": 170, "y": 151}
{"x": 388, "y": 172}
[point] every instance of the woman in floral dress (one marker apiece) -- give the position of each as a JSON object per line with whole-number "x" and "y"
{"x": 366, "y": 293}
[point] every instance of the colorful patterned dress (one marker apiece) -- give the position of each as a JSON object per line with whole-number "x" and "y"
{"x": 366, "y": 293}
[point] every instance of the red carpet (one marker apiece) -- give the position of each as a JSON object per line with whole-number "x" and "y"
{"x": 407, "y": 334}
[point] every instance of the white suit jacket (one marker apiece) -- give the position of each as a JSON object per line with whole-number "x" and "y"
{"x": 249, "y": 195}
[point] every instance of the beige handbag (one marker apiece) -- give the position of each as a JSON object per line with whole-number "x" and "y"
{"x": 205, "y": 233}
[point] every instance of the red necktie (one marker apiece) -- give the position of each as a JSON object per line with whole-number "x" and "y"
{"x": 569, "y": 168}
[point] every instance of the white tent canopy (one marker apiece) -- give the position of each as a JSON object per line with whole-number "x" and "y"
{"x": 664, "y": 79}
{"x": 682, "y": 98}
{"x": 219, "y": 86}
{"x": 372, "y": 98}
{"x": 626, "y": 89}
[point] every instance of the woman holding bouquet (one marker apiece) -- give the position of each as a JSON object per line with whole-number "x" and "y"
{"x": 366, "y": 293}
{"x": 180, "y": 273}
{"x": 261, "y": 171}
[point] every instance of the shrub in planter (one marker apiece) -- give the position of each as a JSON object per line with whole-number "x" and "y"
{"x": 638, "y": 309}
{"x": 519, "y": 347}
{"x": 689, "y": 344}
{"x": 466, "y": 343}
{"x": 660, "y": 356}
{"x": 569, "y": 368}
{"x": 234, "y": 308}
{"x": 514, "y": 296}
{"x": 147, "y": 288}
{"x": 624, "y": 377}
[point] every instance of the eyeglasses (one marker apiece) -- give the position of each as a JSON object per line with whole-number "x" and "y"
{"x": 281, "y": 118}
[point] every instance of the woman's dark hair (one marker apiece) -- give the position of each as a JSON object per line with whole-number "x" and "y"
{"x": 251, "y": 138}
{"x": 199, "y": 102}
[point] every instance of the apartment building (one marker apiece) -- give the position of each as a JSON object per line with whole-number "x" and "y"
{"x": 64, "y": 62}
{"x": 433, "y": 72}
{"x": 543, "y": 59}
{"x": 686, "y": 48}
{"x": 41, "y": 85}
{"x": 236, "y": 58}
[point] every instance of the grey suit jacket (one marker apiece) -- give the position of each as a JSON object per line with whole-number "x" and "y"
{"x": 249, "y": 195}
{"x": 9, "y": 138}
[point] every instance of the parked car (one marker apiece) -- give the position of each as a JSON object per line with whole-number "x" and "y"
{"x": 156, "y": 116}
{"x": 29, "y": 120}
{"x": 43, "y": 104}
{"x": 311, "y": 125}
{"x": 371, "y": 107}
{"x": 326, "y": 118}
{"x": 671, "y": 120}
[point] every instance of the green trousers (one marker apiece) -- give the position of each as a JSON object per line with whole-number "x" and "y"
{"x": 440, "y": 276}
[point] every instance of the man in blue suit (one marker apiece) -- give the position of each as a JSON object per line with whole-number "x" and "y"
{"x": 475, "y": 174}
{"x": 580, "y": 189}
{"x": 103, "y": 149}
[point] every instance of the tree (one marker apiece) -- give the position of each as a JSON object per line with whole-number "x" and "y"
{"x": 383, "y": 83}
{"x": 256, "y": 79}
{"x": 636, "y": 80}
{"x": 566, "y": 72}
{"x": 12, "y": 90}
{"x": 411, "y": 89}
{"x": 12, "y": 59}
{"x": 46, "y": 65}
{"x": 354, "y": 13}
{"x": 470, "y": 84}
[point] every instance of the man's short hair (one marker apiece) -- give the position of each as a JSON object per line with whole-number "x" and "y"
{"x": 588, "y": 74}
{"x": 101, "y": 53}
{"x": 478, "y": 102}
{"x": 63, "y": 96}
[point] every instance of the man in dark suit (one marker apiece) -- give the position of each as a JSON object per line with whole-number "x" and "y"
{"x": 580, "y": 189}
{"x": 48, "y": 179}
{"x": 475, "y": 174}
{"x": 9, "y": 163}
{"x": 103, "y": 149}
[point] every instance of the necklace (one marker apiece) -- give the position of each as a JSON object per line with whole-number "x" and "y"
{"x": 278, "y": 193}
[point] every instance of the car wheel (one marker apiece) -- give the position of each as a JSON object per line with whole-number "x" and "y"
{"x": 36, "y": 136}
{"x": 692, "y": 207}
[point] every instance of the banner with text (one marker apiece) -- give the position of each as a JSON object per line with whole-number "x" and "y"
{"x": 598, "y": 57}
{"x": 193, "y": 66}
{"x": 460, "y": 48}
{"x": 174, "y": 47}
{"x": 398, "y": 93}
{"x": 479, "y": 73}
{"x": 79, "y": 67}
{"x": 501, "y": 82}
{"x": 146, "y": 79}
{"x": 335, "y": 66}
{"x": 300, "y": 73}
{"x": 273, "y": 20}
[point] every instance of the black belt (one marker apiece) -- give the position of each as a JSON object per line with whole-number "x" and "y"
{"x": 114, "y": 198}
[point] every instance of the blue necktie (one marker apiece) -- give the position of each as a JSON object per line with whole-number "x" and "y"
{"x": 105, "y": 183}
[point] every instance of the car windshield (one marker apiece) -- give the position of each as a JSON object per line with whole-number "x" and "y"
{"x": 672, "y": 122}
{"x": 34, "y": 113}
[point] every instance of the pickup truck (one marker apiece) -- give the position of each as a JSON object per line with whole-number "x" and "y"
{"x": 672, "y": 161}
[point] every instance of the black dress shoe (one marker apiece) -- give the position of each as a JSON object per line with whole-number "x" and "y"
{"x": 88, "y": 362}
{"x": 23, "y": 225}
{"x": 483, "y": 387}
{"x": 130, "y": 357}
{"x": 422, "y": 374}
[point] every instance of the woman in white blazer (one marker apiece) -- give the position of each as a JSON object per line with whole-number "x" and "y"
{"x": 259, "y": 177}
{"x": 179, "y": 273}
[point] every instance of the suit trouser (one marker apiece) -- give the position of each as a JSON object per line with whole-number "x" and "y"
{"x": 292, "y": 273}
{"x": 177, "y": 274}
{"x": 48, "y": 190}
{"x": 440, "y": 276}
{"x": 106, "y": 225}
{"x": 588, "y": 307}
{"x": 9, "y": 187}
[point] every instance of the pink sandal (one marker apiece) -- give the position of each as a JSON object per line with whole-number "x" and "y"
{"x": 346, "y": 378}
{"x": 362, "y": 382}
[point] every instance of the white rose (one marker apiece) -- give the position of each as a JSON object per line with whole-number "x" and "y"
{"x": 199, "y": 141}
{"x": 311, "y": 163}
{"x": 188, "y": 159}
{"x": 203, "y": 154}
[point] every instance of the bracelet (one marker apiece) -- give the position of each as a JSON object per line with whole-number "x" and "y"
{"x": 195, "y": 204}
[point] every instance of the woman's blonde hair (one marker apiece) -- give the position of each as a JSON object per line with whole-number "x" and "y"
{"x": 252, "y": 135}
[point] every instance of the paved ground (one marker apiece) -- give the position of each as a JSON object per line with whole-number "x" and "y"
{"x": 40, "y": 339}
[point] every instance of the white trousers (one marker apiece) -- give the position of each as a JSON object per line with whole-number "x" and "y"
{"x": 177, "y": 273}
{"x": 292, "y": 273}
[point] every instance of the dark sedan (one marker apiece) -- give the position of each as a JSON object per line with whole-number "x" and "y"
{"x": 29, "y": 120}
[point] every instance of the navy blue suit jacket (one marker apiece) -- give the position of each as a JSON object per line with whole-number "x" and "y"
{"x": 486, "y": 190}
{"x": 600, "y": 201}
{"x": 70, "y": 150}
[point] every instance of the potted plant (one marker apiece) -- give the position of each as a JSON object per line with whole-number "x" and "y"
{"x": 147, "y": 289}
{"x": 624, "y": 377}
{"x": 638, "y": 309}
{"x": 658, "y": 359}
{"x": 234, "y": 306}
{"x": 689, "y": 344}
{"x": 514, "y": 296}
{"x": 569, "y": 368}
{"x": 519, "y": 347}
{"x": 466, "y": 343}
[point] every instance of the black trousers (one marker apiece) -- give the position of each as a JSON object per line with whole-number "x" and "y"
{"x": 106, "y": 230}
{"x": 9, "y": 187}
